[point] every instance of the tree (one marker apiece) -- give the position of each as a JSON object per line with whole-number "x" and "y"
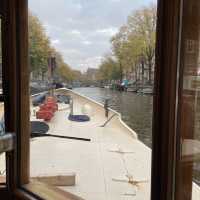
{"x": 109, "y": 69}
{"x": 63, "y": 70}
{"x": 39, "y": 46}
{"x": 134, "y": 44}
{"x": 40, "y": 50}
{"x": 0, "y": 44}
{"x": 142, "y": 25}
{"x": 119, "y": 42}
{"x": 77, "y": 75}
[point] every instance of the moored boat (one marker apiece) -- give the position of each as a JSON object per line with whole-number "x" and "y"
{"x": 109, "y": 163}
{"x": 113, "y": 165}
{"x": 147, "y": 91}
{"x": 132, "y": 89}
{"x": 107, "y": 86}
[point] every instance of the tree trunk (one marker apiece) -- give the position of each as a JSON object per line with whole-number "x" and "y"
{"x": 136, "y": 75}
{"x": 121, "y": 72}
{"x": 142, "y": 73}
{"x": 135, "y": 71}
{"x": 150, "y": 71}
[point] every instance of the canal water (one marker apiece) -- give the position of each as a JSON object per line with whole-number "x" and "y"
{"x": 136, "y": 109}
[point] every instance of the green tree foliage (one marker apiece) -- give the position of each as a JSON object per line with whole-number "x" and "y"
{"x": 109, "y": 69}
{"x": 39, "y": 46}
{"x": 142, "y": 25}
{"x": 77, "y": 75}
{"x": 63, "y": 70}
{"x": 134, "y": 44}
{"x": 40, "y": 50}
{"x": 0, "y": 44}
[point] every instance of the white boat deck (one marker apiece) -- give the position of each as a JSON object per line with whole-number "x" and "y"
{"x": 95, "y": 163}
{"x": 100, "y": 170}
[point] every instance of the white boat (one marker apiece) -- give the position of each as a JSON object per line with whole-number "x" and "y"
{"x": 107, "y": 86}
{"x": 114, "y": 165}
{"x": 147, "y": 91}
{"x": 131, "y": 89}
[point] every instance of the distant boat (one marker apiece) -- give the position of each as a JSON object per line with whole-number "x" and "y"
{"x": 107, "y": 86}
{"x": 132, "y": 89}
{"x": 70, "y": 87}
{"x": 147, "y": 91}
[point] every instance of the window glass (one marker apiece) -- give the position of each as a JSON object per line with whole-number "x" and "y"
{"x": 2, "y": 156}
{"x": 189, "y": 124}
{"x": 0, "y": 58}
{"x": 2, "y": 168}
{"x": 2, "y": 128}
{"x": 91, "y": 81}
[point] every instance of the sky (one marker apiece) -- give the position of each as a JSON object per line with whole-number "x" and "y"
{"x": 81, "y": 29}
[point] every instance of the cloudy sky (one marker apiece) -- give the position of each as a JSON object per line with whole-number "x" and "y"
{"x": 81, "y": 29}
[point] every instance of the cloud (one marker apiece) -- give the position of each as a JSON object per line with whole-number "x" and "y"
{"x": 92, "y": 62}
{"x": 108, "y": 31}
{"x": 86, "y": 42}
{"x": 81, "y": 29}
{"x": 78, "y": 6}
{"x": 72, "y": 51}
{"x": 115, "y": 0}
{"x": 75, "y": 32}
{"x": 55, "y": 42}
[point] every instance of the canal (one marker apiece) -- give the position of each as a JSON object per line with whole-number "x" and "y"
{"x": 136, "y": 109}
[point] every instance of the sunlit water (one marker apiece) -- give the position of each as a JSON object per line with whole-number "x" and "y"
{"x": 136, "y": 109}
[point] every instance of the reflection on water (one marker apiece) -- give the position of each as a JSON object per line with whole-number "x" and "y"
{"x": 136, "y": 109}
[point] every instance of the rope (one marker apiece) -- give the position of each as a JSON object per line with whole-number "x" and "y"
{"x": 108, "y": 120}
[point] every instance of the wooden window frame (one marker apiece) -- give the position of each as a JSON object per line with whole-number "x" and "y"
{"x": 17, "y": 107}
{"x": 166, "y": 139}
{"x": 165, "y": 98}
{"x": 15, "y": 89}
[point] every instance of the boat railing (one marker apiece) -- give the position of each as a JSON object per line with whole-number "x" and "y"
{"x": 108, "y": 120}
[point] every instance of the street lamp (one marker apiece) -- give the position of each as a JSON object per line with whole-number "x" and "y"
{"x": 51, "y": 70}
{"x": 142, "y": 63}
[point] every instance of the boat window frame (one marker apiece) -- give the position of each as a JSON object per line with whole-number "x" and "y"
{"x": 15, "y": 90}
{"x": 8, "y": 65}
{"x": 165, "y": 98}
{"x": 166, "y": 139}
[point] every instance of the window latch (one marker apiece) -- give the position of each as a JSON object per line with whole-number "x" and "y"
{"x": 6, "y": 142}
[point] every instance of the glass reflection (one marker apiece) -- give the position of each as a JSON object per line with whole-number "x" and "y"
{"x": 188, "y": 184}
{"x": 2, "y": 128}
{"x": 0, "y": 59}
